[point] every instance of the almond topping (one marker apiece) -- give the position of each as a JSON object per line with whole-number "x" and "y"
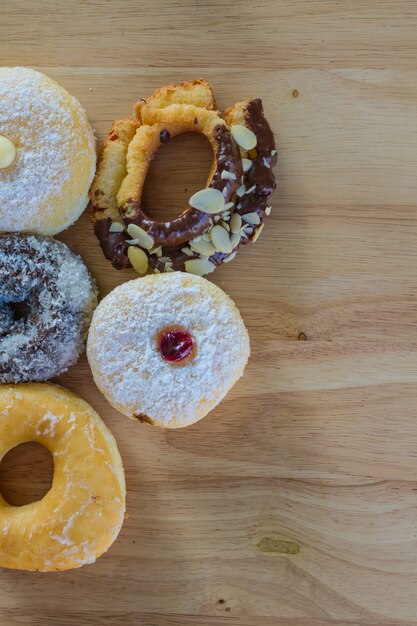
{"x": 208, "y": 200}
{"x": 145, "y": 240}
{"x": 138, "y": 259}
{"x": 7, "y": 152}
{"x": 235, "y": 240}
{"x": 221, "y": 240}
{"x": 225, "y": 175}
{"x": 246, "y": 165}
{"x": 235, "y": 223}
{"x": 203, "y": 247}
{"x": 200, "y": 267}
{"x": 116, "y": 227}
{"x": 230, "y": 257}
{"x": 251, "y": 218}
{"x": 257, "y": 232}
{"x": 243, "y": 136}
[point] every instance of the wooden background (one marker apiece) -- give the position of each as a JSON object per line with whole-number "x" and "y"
{"x": 317, "y": 445}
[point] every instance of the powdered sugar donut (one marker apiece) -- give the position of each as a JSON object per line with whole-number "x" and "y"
{"x": 47, "y": 298}
{"x": 47, "y": 154}
{"x": 165, "y": 349}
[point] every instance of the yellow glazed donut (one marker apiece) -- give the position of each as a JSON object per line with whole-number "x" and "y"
{"x": 47, "y": 154}
{"x": 81, "y": 515}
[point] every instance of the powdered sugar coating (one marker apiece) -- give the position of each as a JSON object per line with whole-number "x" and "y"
{"x": 122, "y": 348}
{"x": 60, "y": 296}
{"x": 45, "y": 189}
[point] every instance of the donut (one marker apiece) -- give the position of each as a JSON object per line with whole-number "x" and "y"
{"x": 82, "y": 514}
{"x": 229, "y": 211}
{"x": 47, "y": 297}
{"x": 165, "y": 349}
{"x": 47, "y": 154}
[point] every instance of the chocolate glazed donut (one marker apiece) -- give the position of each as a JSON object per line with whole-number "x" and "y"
{"x": 210, "y": 230}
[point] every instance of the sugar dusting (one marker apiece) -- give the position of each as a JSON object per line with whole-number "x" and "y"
{"x": 61, "y": 295}
{"x": 122, "y": 347}
{"x": 49, "y": 135}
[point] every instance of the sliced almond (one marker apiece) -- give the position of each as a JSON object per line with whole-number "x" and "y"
{"x": 225, "y": 225}
{"x": 225, "y": 175}
{"x": 145, "y": 240}
{"x": 240, "y": 191}
{"x": 273, "y": 152}
{"x": 251, "y": 218}
{"x": 202, "y": 247}
{"x": 235, "y": 240}
{"x": 187, "y": 251}
{"x": 138, "y": 259}
{"x": 257, "y": 232}
{"x": 7, "y": 152}
{"x": 164, "y": 259}
{"x": 199, "y": 267}
{"x": 132, "y": 242}
{"x": 208, "y": 200}
{"x": 116, "y": 227}
{"x": 157, "y": 251}
{"x": 251, "y": 189}
{"x": 220, "y": 239}
{"x": 246, "y": 165}
{"x": 266, "y": 163}
{"x": 268, "y": 210}
{"x": 235, "y": 223}
{"x": 230, "y": 257}
{"x": 243, "y": 136}
{"x": 228, "y": 206}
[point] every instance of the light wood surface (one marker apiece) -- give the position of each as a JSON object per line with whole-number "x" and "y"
{"x": 317, "y": 444}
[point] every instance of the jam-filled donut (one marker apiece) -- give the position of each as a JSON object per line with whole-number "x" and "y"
{"x": 230, "y": 210}
{"x": 81, "y": 515}
{"x": 47, "y": 154}
{"x": 165, "y": 349}
{"x": 47, "y": 297}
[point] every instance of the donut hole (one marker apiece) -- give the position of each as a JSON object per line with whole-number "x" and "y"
{"x": 26, "y": 473}
{"x": 179, "y": 168}
{"x": 20, "y": 310}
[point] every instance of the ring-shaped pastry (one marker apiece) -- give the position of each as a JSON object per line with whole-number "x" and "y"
{"x": 47, "y": 298}
{"x": 230, "y": 211}
{"x": 81, "y": 515}
{"x": 158, "y": 126}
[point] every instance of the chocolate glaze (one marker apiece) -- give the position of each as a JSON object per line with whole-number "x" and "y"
{"x": 174, "y": 235}
{"x": 114, "y": 245}
{"x": 259, "y": 174}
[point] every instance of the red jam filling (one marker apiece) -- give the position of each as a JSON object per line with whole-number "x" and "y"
{"x": 175, "y": 345}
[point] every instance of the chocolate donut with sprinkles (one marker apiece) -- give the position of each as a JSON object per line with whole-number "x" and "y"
{"x": 47, "y": 298}
{"x": 228, "y": 212}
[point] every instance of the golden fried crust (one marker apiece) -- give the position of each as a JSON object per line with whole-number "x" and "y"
{"x": 112, "y": 169}
{"x": 81, "y": 515}
{"x": 237, "y": 113}
{"x": 196, "y": 92}
{"x": 177, "y": 119}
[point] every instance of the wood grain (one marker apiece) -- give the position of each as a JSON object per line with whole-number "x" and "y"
{"x": 317, "y": 445}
